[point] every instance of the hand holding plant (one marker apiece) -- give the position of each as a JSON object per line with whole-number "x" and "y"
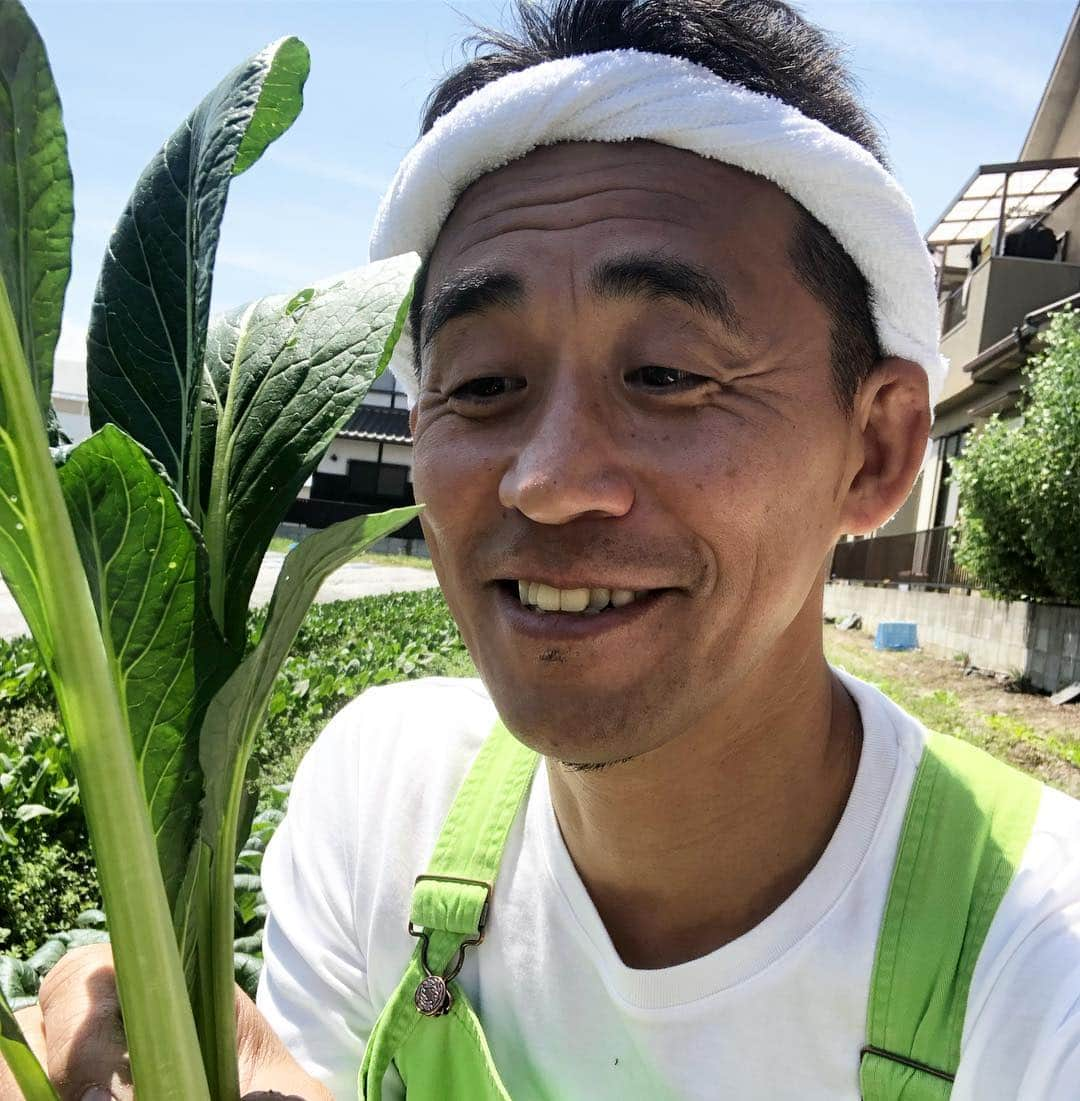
{"x": 133, "y": 555}
{"x": 78, "y": 1020}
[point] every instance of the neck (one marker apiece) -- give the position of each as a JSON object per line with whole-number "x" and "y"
{"x": 692, "y": 844}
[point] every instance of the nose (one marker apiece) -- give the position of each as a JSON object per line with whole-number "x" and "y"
{"x": 569, "y": 464}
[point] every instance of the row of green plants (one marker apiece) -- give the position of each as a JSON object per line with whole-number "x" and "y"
{"x": 1019, "y": 484}
{"x": 49, "y": 896}
{"x": 133, "y": 555}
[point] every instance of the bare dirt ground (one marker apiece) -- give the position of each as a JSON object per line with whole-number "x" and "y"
{"x": 1022, "y": 728}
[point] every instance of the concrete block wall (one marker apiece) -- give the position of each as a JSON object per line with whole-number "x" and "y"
{"x": 1041, "y": 640}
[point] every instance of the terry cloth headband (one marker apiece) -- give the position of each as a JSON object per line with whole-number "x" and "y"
{"x": 619, "y": 95}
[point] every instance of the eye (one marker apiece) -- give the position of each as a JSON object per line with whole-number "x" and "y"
{"x": 668, "y": 378}
{"x": 486, "y": 388}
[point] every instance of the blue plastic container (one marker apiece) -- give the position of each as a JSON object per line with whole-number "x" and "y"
{"x": 896, "y": 636}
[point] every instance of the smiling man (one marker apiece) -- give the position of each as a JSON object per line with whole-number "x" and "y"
{"x": 674, "y": 334}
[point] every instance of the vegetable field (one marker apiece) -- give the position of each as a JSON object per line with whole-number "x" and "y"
{"x": 47, "y": 879}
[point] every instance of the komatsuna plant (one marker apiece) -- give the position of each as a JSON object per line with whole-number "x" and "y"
{"x": 133, "y": 555}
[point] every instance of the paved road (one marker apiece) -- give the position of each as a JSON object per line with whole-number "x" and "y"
{"x": 355, "y": 579}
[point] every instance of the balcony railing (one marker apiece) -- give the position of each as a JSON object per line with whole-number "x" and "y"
{"x": 922, "y": 558}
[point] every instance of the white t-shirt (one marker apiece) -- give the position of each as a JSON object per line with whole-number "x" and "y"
{"x": 779, "y": 1013}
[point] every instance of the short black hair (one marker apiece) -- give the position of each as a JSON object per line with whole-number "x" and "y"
{"x": 764, "y": 45}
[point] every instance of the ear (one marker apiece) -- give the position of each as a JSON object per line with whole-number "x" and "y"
{"x": 890, "y": 424}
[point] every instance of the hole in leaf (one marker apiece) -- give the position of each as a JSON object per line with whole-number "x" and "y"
{"x": 298, "y": 303}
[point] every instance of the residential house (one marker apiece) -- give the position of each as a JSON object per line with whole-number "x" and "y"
{"x": 1007, "y": 253}
{"x": 367, "y": 468}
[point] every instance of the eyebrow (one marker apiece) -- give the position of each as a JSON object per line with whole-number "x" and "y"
{"x": 469, "y": 292}
{"x": 655, "y": 275}
{"x": 649, "y": 275}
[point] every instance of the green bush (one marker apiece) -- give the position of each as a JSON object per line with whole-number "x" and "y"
{"x": 1019, "y": 521}
{"x": 46, "y": 874}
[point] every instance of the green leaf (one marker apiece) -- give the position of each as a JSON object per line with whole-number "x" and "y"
{"x": 16, "y": 1052}
{"x": 18, "y": 559}
{"x": 36, "y": 208}
{"x": 18, "y": 980}
{"x": 45, "y": 958}
{"x": 247, "y": 969}
{"x": 228, "y": 737}
{"x": 285, "y": 374}
{"x": 236, "y": 712}
{"x": 147, "y": 570}
{"x": 148, "y": 324}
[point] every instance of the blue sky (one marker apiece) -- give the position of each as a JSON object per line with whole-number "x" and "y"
{"x": 954, "y": 84}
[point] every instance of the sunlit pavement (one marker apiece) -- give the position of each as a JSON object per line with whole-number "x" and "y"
{"x": 355, "y": 579}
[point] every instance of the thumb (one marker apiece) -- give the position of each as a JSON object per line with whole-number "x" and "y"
{"x": 84, "y": 1034}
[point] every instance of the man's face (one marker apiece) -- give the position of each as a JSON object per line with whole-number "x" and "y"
{"x": 629, "y": 389}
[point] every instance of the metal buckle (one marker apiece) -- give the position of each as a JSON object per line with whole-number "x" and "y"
{"x": 418, "y": 931}
{"x": 433, "y": 997}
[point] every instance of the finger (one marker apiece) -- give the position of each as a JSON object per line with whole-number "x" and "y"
{"x": 268, "y": 1072}
{"x": 29, "y": 1021}
{"x": 33, "y": 1029}
{"x": 83, "y": 1030}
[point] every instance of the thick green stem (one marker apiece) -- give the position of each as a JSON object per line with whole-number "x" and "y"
{"x": 216, "y": 928}
{"x": 216, "y": 923}
{"x": 217, "y": 507}
{"x": 159, "y": 1025}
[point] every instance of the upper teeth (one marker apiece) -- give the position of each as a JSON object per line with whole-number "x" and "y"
{"x": 589, "y": 601}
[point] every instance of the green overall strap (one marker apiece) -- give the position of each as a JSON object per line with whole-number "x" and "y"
{"x": 968, "y": 821}
{"x": 428, "y": 1028}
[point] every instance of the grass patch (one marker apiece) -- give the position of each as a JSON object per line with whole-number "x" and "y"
{"x": 1028, "y": 732}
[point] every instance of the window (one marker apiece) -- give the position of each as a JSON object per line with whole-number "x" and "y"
{"x": 391, "y": 481}
{"x": 947, "y": 495}
{"x": 362, "y": 477}
{"x": 368, "y": 479}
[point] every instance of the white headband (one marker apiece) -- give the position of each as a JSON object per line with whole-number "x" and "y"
{"x": 618, "y": 95}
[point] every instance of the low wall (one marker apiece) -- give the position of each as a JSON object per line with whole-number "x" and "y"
{"x": 1041, "y": 640}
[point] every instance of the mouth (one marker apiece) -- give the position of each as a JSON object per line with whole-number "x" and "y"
{"x": 541, "y": 611}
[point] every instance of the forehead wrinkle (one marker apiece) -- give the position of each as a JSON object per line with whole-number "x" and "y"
{"x": 651, "y": 219}
{"x": 563, "y": 200}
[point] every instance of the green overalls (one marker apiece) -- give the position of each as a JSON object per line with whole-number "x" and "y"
{"x": 968, "y": 821}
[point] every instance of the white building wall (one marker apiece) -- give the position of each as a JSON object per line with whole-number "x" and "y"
{"x": 337, "y": 457}
{"x": 397, "y": 453}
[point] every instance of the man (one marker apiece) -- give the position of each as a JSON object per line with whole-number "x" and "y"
{"x": 651, "y": 391}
